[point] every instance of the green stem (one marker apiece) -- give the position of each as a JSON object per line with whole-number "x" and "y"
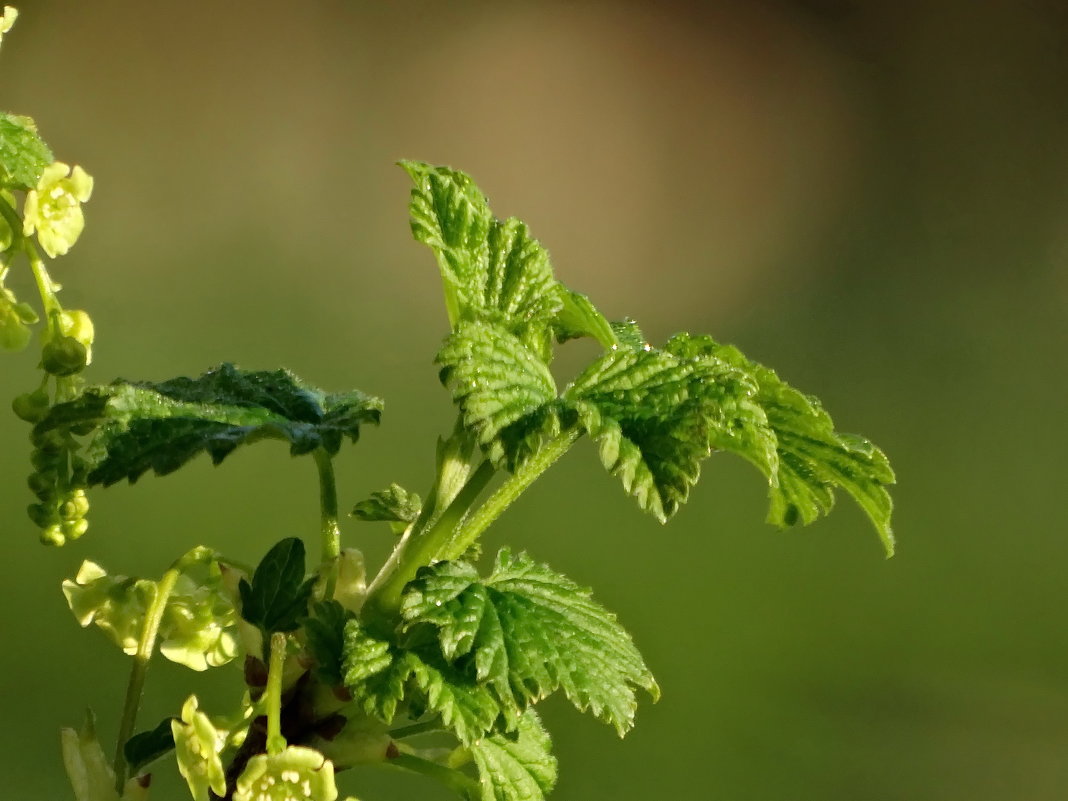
{"x": 135, "y": 687}
{"x": 330, "y": 530}
{"x": 471, "y": 529}
{"x": 413, "y": 729}
{"x": 456, "y": 781}
{"x": 420, "y": 546}
{"x": 45, "y": 287}
{"x": 454, "y": 532}
{"x": 276, "y": 743}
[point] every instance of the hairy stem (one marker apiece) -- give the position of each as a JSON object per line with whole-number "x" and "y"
{"x": 453, "y": 779}
{"x": 330, "y": 530}
{"x": 454, "y": 532}
{"x": 276, "y": 743}
{"x": 136, "y": 685}
{"x": 471, "y": 529}
{"x": 420, "y": 546}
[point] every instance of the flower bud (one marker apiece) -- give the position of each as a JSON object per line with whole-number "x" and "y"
{"x": 53, "y": 535}
{"x": 73, "y": 529}
{"x": 43, "y": 515}
{"x": 64, "y": 356}
{"x": 31, "y": 406}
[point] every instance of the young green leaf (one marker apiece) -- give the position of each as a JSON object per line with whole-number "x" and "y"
{"x": 277, "y": 598}
{"x": 530, "y": 631}
{"x": 516, "y": 769}
{"x": 23, "y": 154}
{"x": 493, "y": 270}
{"x": 450, "y": 215}
{"x": 504, "y": 390}
{"x": 394, "y": 505}
{"x": 652, "y": 415}
{"x": 381, "y": 676}
{"x": 578, "y": 317}
{"x": 161, "y": 426}
{"x": 811, "y": 458}
{"x": 146, "y": 747}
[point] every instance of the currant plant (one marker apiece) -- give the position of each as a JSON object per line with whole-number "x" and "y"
{"x": 435, "y": 665}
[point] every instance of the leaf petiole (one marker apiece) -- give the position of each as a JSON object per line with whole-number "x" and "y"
{"x": 276, "y": 743}
{"x": 330, "y": 530}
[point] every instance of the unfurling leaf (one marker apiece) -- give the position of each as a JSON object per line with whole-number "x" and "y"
{"x": 810, "y": 459}
{"x": 505, "y": 392}
{"x": 394, "y": 505}
{"x": 653, "y": 416}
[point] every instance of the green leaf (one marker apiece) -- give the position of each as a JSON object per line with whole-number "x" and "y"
{"x": 516, "y": 769}
{"x": 277, "y": 598}
{"x": 450, "y": 215}
{"x": 381, "y": 676}
{"x": 628, "y": 334}
{"x": 23, "y": 154}
{"x": 394, "y": 505}
{"x": 146, "y": 747}
{"x": 325, "y": 640}
{"x": 493, "y": 270}
{"x": 653, "y": 416}
{"x": 811, "y": 458}
{"x": 161, "y": 426}
{"x": 504, "y": 390}
{"x": 527, "y": 631}
{"x": 578, "y": 317}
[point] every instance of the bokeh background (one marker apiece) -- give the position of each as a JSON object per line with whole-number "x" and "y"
{"x": 870, "y": 196}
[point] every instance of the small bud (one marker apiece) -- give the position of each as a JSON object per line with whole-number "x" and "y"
{"x": 53, "y": 535}
{"x": 43, "y": 515}
{"x": 73, "y": 529}
{"x": 76, "y": 505}
{"x": 31, "y": 406}
{"x": 77, "y": 324}
{"x": 45, "y": 459}
{"x": 64, "y": 356}
{"x": 43, "y": 485}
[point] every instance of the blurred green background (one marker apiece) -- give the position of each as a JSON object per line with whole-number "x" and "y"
{"x": 871, "y": 197}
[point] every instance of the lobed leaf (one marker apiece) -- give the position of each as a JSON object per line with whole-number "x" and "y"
{"x": 516, "y": 769}
{"x": 23, "y": 154}
{"x": 811, "y": 459}
{"x": 653, "y": 416}
{"x": 505, "y": 392}
{"x": 450, "y": 215}
{"x": 525, "y": 632}
{"x": 382, "y": 676}
{"x": 493, "y": 270}
{"x": 143, "y": 426}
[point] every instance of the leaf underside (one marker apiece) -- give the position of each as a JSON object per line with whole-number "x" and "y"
{"x": 141, "y": 426}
